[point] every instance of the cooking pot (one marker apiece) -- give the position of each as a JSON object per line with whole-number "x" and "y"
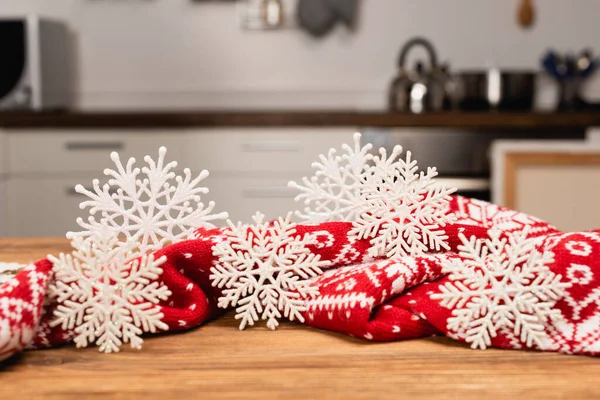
{"x": 496, "y": 89}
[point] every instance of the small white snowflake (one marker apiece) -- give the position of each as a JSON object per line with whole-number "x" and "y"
{"x": 106, "y": 293}
{"x": 265, "y": 270}
{"x": 153, "y": 211}
{"x": 501, "y": 285}
{"x": 401, "y": 210}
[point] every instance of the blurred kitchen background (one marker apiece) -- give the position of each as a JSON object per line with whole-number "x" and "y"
{"x": 254, "y": 90}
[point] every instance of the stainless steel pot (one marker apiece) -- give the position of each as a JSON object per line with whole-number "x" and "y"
{"x": 496, "y": 89}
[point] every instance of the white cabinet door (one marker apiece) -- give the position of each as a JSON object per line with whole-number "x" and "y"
{"x": 43, "y": 206}
{"x": 242, "y": 196}
{"x": 43, "y": 167}
{"x": 250, "y": 168}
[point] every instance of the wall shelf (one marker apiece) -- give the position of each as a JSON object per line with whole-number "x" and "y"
{"x": 204, "y": 118}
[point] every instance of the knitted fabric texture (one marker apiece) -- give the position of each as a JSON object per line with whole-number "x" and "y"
{"x": 381, "y": 300}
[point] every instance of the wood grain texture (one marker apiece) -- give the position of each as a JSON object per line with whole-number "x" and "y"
{"x": 472, "y": 120}
{"x": 296, "y": 362}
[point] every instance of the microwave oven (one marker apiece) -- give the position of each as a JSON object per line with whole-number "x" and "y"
{"x": 34, "y": 64}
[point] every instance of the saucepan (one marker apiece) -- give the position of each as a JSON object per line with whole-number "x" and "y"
{"x": 495, "y": 89}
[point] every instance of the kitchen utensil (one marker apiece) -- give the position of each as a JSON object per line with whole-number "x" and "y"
{"x": 526, "y": 14}
{"x": 315, "y": 17}
{"x": 585, "y": 64}
{"x": 420, "y": 89}
{"x": 272, "y": 13}
{"x": 570, "y": 72}
{"x": 502, "y": 90}
{"x": 345, "y": 10}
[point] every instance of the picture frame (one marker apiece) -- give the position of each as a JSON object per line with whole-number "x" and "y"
{"x": 556, "y": 181}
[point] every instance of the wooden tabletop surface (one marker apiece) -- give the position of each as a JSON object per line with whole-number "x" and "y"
{"x": 218, "y": 361}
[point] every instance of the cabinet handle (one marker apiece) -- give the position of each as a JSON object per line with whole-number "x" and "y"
{"x": 94, "y": 145}
{"x": 261, "y": 147}
{"x": 268, "y": 192}
{"x": 72, "y": 192}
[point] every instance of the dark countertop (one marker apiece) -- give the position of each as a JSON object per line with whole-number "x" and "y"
{"x": 209, "y": 119}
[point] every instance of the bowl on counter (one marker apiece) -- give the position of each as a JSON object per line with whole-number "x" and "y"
{"x": 494, "y": 89}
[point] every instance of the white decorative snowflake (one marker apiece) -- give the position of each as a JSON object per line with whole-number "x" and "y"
{"x": 501, "y": 285}
{"x": 388, "y": 201}
{"x": 106, "y": 293}
{"x": 402, "y": 210}
{"x": 265, "y": 270}
{"x": 150, "y": 211}
{"x": 334, "y": 192}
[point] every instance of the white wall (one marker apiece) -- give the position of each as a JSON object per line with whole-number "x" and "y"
{"x": 180, "y": 54}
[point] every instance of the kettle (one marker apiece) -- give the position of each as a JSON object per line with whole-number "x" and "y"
{"x": 420, "y": 89}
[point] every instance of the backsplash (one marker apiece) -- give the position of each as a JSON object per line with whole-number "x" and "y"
{"x": 140, "y": 54}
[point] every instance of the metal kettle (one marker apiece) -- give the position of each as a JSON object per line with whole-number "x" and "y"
{"x": 420, "y": 89}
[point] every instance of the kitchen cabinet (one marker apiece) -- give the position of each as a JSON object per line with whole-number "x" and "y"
{"x": 55, "y": 152}
{"x": 43, "y": 206}
{"x": 256, "y": 150}
{"x": 44, "y": 165}
{"x": 249, "y": 168}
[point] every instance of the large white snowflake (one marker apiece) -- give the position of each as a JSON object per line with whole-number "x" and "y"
{"x": 107, "y": 293}
{"x": 265, "y": 270}
{"x": 159, "y": 208}
{"x": 501, "y": 285}
{"x": 400, "y": 209}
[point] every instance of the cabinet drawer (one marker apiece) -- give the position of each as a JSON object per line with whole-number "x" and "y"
{"x": 43, "y": 207}
{"x": 243, "y": 197}
{"x": 50, "y": 207}
{"x": 262, "y": 150}
{"x": 53, "y": 151}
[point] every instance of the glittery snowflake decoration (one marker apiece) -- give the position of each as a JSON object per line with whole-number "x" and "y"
{"x": 502, "y": 285}
{"x": 152, "y": 210}
{"x": 334, "y": 192}
{"x": 400, "y": 209}
{"x": 106, "y": 293}
{"x": 265, "y": 270}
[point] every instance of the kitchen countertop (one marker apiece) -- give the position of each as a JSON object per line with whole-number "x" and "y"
{"x": 217, "y": 360}
{"x": 482, "y": 120}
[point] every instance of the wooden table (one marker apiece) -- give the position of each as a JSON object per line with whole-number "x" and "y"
{"x": 218, "y": 361}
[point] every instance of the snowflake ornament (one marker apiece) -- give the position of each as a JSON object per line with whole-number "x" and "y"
{"x": 502, "y": 285}
{"x": 152, "y": 210}
{"x": 106, "y": 293}
{"x": 265, "y": 270}
{"x": 333, "y": 193}
{"x": 401, "y": 210}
